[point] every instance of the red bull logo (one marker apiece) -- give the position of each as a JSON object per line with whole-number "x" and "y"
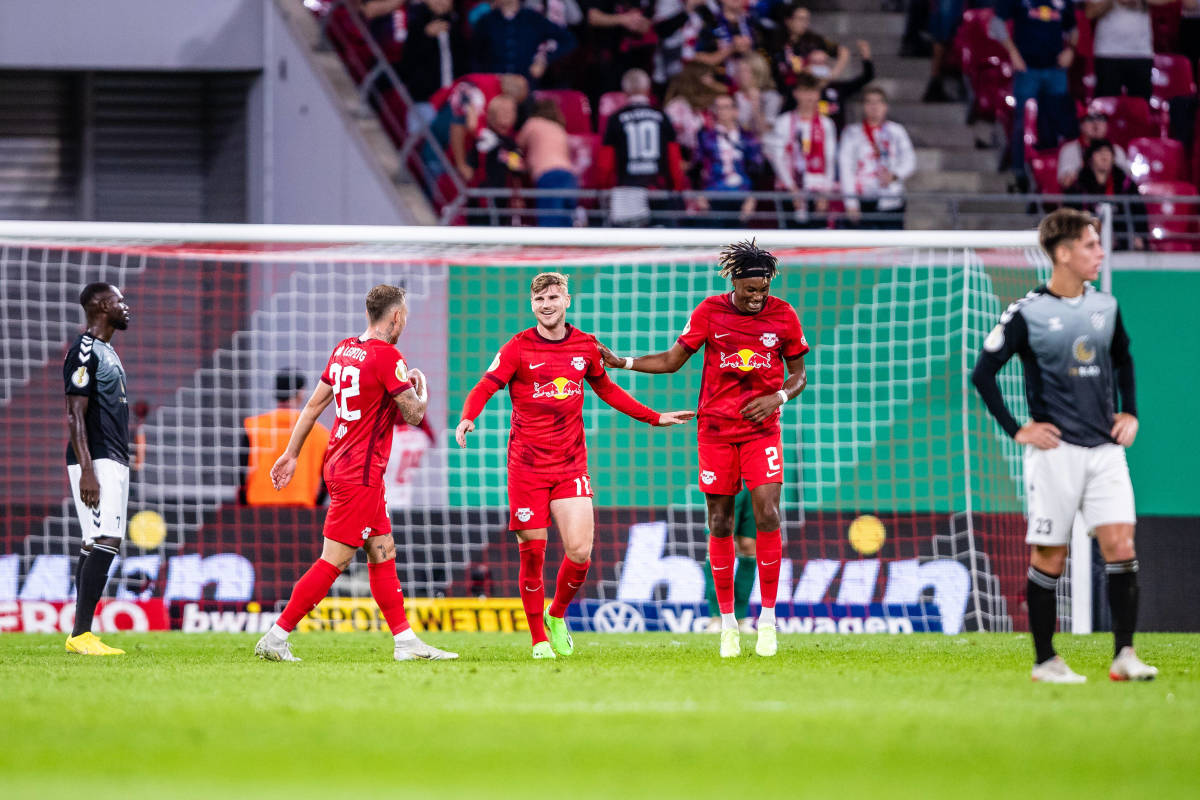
{"x": 746, "y": 360}
{"x": 558, "y": 389}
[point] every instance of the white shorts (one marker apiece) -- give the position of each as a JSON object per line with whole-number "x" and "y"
{"x": 1071, "y": 479}
{"x": 109, "y": 519}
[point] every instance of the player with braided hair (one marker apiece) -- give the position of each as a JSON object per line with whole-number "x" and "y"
{"x": 749, "y": 337}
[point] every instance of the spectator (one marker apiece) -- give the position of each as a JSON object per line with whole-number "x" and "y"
{"x": 836, "y": 94}
{"x": 944, "y": 18}
{"x": 639, "y": 153}
{"x": 688, "y": 97}
{"x": 461, "y": 114}
{"x": 1189, "y": 33}
{"x": 1092, "y": 127}
{"x": 387, "y": 20}
{"x": 792, "y": 55}
{"x": 803, "y": 151}
{"x": 1042, "y": 47}
{"x": 496, "y": 159}
{"x": 569, "y": 14}
{"x": 564, "y": 13}
{"x": 874, "y": 159}
{"x": 678, "y": 24}
{"x": 433, "y": 56}
{"x": 1123, "y": 45}
{"x": 732, "y": 32}
{"x": 728, "y": 156}
{"x": 620, "y": 38}
{"x": 512, "y": 39}
{"x": 543, "y": 139}
{"x": 1100, "y": 176}
{"x": 265, "y": 437}
{"x": 757, "y": 102}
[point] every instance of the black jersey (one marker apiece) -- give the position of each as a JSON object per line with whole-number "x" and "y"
{"x": 1077, "y": 359}
{"x": 92, "y": 370}
{"x": 640, "y": 137}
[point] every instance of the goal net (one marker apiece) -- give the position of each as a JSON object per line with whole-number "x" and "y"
{"x": 902, "y": 498}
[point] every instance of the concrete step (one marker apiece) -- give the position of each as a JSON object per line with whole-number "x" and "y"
{"x": 957, "y": 181}
{"x": 900, "y": 89}
{"x": 851, "y": 6}
{"x": 950, "y": 118}
{"x": 962, "y": 159}
{"x": 865, "y": 25}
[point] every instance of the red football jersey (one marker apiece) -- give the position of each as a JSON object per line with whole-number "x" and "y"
{"x": 545, "y": 379}
{"x": 743, "y": 359}
{"x": 365, "y": 375}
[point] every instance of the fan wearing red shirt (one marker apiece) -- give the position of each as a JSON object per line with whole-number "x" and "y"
{"x": 545, "y": 368}
{"x": 369, "y": 384}
{"x": 748, "y": 338}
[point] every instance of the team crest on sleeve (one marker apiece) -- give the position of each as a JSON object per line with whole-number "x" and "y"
{"x": 707, "y": 477}
{"x": 495, "y": 365}
{"x": 994, "y": 340}
{"x": 769, "y": 339}
{"x": 401, "y": 371}
{"x": 686, "y": 328}
{"x": 80, "y": 377}
{"x": 803, "y": 341}
{"x": 524, "y": 514}
{"x": 579, "y": 362}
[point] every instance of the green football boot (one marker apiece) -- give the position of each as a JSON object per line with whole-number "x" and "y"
{"x": 560, "y": 634}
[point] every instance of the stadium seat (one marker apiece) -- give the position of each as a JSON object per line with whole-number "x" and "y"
{"x": 985, "y": 66}
{"x": 1171, "y": 77}
{"x": 1082, "y": 74}
{"x": 610, "y": 103}
{"x": 576, "y": 110}
{"x": 1128, "y": 118}
{"x": 1157, "y": 160}
{"x": 1172, "y": 223}
{"x": 584, "y": 151}
{"x": 1044, "y": 166}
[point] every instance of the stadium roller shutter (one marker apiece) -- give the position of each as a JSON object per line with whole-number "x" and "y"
{"x": 39, "y": 146}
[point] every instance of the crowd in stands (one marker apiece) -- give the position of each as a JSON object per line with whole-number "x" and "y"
{"x": 748, "y": 96}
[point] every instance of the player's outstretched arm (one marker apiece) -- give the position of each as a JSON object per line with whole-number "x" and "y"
{"x": 760, "y": 408}
{"x": 285, "y": 466}
{"x": 624, "y": 402}
{"x": 473, "y": 407}
{"x": 658, "y": 363}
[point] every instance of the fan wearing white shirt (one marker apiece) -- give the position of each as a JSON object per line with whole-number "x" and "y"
{"x": 875, "y": 158}
{"x": 803, "y": 151}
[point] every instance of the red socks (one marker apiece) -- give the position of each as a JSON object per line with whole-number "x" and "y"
{"x": 533, "y": 589}
{"x": 720, "y": 555}
{"x": 570, "y": 577}
{"x": 385, "y": 588}
{"x": 309, "y": 590}
{"x": 770, "y": 550}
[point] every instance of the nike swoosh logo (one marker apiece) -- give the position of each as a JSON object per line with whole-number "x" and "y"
{"x": 532, "y": 588}
{"x": 717, "y": 569}
{"x": 574, "y": 585}
{"x": 768, "y": 563}
{"x": 535, "y": 366}
{"x": 773, "y": 474}
{"x": 720, "y": 335}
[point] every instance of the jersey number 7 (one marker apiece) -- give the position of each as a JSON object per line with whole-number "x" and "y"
{"x": 345, "y": 386}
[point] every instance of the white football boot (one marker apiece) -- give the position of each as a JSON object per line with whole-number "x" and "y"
{"x": 1056, "y": 671}
{"x": 1128, "y": 667}
{"x": 415, "y": 649}
{"x": 271, "y": 648}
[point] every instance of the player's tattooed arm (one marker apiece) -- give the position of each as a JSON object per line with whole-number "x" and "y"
{"x": 285, "y": 466}
{"x": 760, "y": 408}
{"x": 666, "y": 361}
{"x": 89, "y": 485}
{"x": 412, "y": 407}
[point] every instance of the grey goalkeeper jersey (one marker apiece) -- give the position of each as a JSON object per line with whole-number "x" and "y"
{"x": 1076, "y": 356}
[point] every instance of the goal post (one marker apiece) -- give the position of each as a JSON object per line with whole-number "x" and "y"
{"x": 902, "y": 499}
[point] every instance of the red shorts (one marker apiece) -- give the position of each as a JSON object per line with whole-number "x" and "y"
{"x": 723, "y": 467}
{"x": 356, "y": 513}
{"x": 529, "y": 497}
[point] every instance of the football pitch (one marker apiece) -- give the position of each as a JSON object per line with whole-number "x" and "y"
{"x": 649, "y": 715}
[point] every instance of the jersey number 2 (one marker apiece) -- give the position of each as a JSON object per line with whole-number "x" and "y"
{"x": 345, "y": 386}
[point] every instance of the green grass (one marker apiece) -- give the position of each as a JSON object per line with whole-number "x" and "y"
{"x": 628, "y": 716}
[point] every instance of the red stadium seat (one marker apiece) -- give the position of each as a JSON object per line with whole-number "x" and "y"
{"x": 584, "y": 151}
{"x": 577, "y": 111}
{"x": 1082, "y": 74}
{"x": 1171, "y": 77}
{"x": 1029, "y": 133}
{"x": 1172, "y": 223}
{"x": 1128, "y": 118}
{"x": 1044, "y": 166}
{"x": 1157, "y": 160}
{"x": 610, "y": 103}
{"x": 985, "y": 66}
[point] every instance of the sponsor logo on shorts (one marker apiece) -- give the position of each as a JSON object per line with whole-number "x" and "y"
{"x": 707, "y": 477}
{"x": 773, "y": 474}
{"x": 524, "y": 514}
{"x": 366, "y": 533}
{"x": 769, "y": 339}
{"x": 558, "y": 389}
{"x": 579, "y": 362}
{"x": 746, "y": 360}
